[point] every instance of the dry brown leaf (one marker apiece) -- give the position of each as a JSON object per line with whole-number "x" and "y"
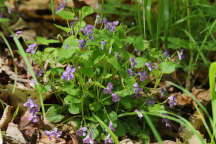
{"x": 6, "y": 117}
{"x": 92, "y": 3}
{"x": 13, "y": 132}
{"x": 24, "y": 121}
{"x": 166, "y": 142}
{"x": 201, "y": 94}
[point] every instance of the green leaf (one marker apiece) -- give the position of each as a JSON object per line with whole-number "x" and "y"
{"x": 113, "y": 116}
{"x": 140, "y": 62}
{"x": 98, "y": 84}
{"x": 167, "y": 67}
{"x": 66, "y": 15}
{"x": 71, "y": 99}
{"x": 114, "y": 62}
{"x": 66, "y": 29}
{"x": 120, "y": 130}
{"x": 44, "y": 41}
{"x": 65, "y": 52}
{"x": 4, "y": 20}
{"x": 95, "y": 106}
{"x": 53, "y": 114}
{"x": 71, "y": 91}
{"x": 74, "y": 108}
{"x": 85, "y": 11}
{"x": 140, "y": 44}
{"x": 156, "y": 108}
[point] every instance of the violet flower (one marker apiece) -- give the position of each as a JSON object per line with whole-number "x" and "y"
{"x": 82, "y": 43}
{"x": 33, "y": 109}
{"x": 131, "y": 73}
{"x": 105, "y": 20}
{"x": 115, "y": 98}
{"x": 31, "y": 48}
{"x": 103, "y": 43}
{"x": 17, "y": 33}
{"x": 181, "y": 54}
{"x": 162, "y": 92}
{"x": 172, "y": 101}
{"x": 54, "y": 133}
{"x": 88, "y": 139}
{"x": 166, "y": 53}
{"x": 109, "y": 88}
{"x": 111, "y": 25}
{"x": 133, "y": 63}
{"x": 68, "y": 74}
{"x": 143, "y": 76}
{"x": 40, "y": 73}
{"x": 88, "y": 31}
{"x": 111, "y": 126}
{"x": 108, "y": 139}
{"x": 150, "y": 66}
{"x": 140, "y": 115}
{"x": 61, "y": 6}
{"x": 81, "y": 131}
{"x": 137, "y": 89}
{"x": 167, "y": 122}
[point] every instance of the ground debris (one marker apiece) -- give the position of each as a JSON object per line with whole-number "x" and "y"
{"x": 6, "y": 117}
{"x": 201, "y": 94}
{"x": 15, "y": 134}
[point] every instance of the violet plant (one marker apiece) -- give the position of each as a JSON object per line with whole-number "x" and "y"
{"x": 94, "y": 73}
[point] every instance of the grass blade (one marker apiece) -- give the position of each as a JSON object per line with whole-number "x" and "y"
{"x": 24, "y": 56}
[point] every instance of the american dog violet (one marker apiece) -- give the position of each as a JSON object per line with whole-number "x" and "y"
{"x": 33, "y": 109}
{"x": 68, "y": 74}
{"x": 53, "y": 134}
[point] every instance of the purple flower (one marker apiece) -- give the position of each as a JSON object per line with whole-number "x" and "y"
{"x": 133, "y": 63}
{"x": 88, "y": 31}
{"x": 105, "y": 20}
{"x": 140, "y": 115}
{"x": 88, "y": 139}
{"x": 30, "y": 103}
{"x": 162, "y": 92}
{"x": 167, "y": 122}
{"x": 166, "y": 53}
{"x": 115, "y": 98}
{"x": 55, "y": 133}
{"x": 150, "y": 102}
{"x": 81, "y": 131}
{"x": 68, "y": 74}
{"x": 108, "y": 139}
{"x": 40, "y": 73}
{"x": 131, "y": 73}
{"x": 33, "y": 109}
{"x": 82, "y": 43}
{"x": 109, "y": 88}
{"x": 103, "y": 43}
{"x": 17, "y": 33}
{"x": 150, "y": 66}
{"x": 111, "y": 25}
{"x": 73, "y": 23}
{"x": 137, "y": 89}
{"x": 111, "y": 126}
{"x": 172, "y": 101}
{"x": 31, "y": 49}
{"x": 61, "y": 6}
{"x": 143, "y": 76}
{"x": 181, "y": 54}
